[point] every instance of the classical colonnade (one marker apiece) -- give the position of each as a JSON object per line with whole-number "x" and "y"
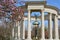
{"x": 21, "y": 30}
{"x": 49, "y": 23}
{"x": 18, "y": 26}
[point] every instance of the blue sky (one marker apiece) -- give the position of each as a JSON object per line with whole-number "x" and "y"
{"x": 55, "y": 3}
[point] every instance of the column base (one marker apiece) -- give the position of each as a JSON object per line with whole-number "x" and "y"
{"x": 28, "y": 39}
{"x": 50, "y": 39}
{"x": 56, "y": 39}
{"x": 12, "y": 38}
{"x": 17, "y": 39}
{"x": 42, "y": 39}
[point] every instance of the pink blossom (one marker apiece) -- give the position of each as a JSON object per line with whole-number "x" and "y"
{"x": 12, "y": 1}
{"x": 0, "y": 5}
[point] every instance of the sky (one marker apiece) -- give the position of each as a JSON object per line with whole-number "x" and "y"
{"x": 55, "y": 3}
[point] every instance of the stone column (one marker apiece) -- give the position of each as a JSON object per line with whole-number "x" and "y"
{"x": 18, "y": 30}
{"x": 29, "y": 26}
{"x": 24, "y": 29}
{"x": 56, "y": 27}
{"x": 12, "y": 33}
{"x": 15, "y": 31}
{"x": 21, "y": 29}
{"x": 50, "y": 26}
{"x": 43, "y": 32}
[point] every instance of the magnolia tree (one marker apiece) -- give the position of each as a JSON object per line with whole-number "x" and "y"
{"x": 7, "y": 6}
{"x": 8, "y": 10}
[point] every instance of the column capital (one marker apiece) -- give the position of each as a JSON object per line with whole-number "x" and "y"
{"x": 42, "y": 10}
{"x": 55, "y": 15}
{"x": 50, "y": 13}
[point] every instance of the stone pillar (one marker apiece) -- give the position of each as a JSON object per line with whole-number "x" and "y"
{"x": 43, "y": 32}
{"x": 50, "y": 26}
{"x": 18, "y": 30}
{"x": 24, "y": 29}
{"x": 21, "y": 29}
{"x": 56, "y": 27}
{"x": 15, "y": 31}
{"x": 12, "y": 33}
{"x": 29, "y": 26}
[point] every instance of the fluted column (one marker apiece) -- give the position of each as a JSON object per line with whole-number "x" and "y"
{"x": 24, "y": 30}
{"x": 43, "y": 32}
{"x": 56, "y": 27}
{"x": 50, "y": 26}
{"x": 29, "y": 26}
